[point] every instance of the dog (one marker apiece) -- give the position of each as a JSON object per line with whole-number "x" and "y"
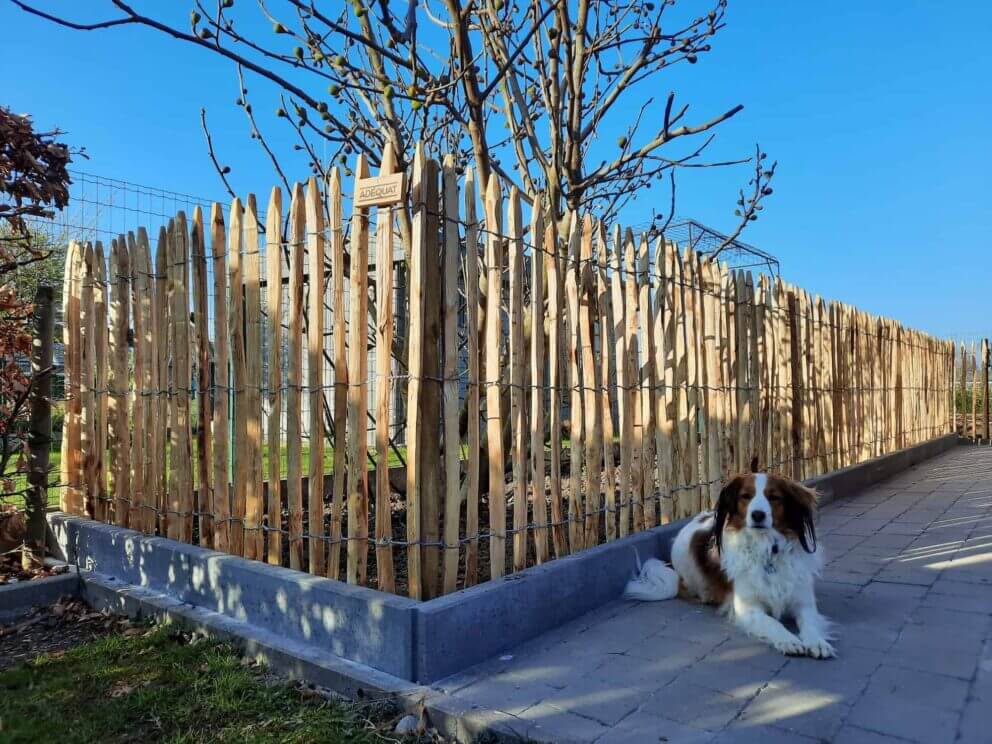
{"x": 756, "y": 557}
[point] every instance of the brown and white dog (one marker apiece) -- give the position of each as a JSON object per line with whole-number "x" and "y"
{"x": 756, "y": 557}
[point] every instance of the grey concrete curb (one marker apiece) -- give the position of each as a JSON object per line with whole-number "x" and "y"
{"x": 356, "y": 623}
{"x": 416, "y": 641}
{"x": 17, "y": 599}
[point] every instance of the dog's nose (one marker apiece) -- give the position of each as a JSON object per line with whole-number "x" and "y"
{"x": 758, "y": 516}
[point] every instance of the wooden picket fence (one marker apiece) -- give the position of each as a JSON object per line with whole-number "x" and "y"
{"x": 972, "y": 398}
{"x": 539, "y": 387}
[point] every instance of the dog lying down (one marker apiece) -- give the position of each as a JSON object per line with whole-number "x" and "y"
{"x": 756, "y": 558}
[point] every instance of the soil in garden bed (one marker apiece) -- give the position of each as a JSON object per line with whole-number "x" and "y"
{"x": 54, "y": 630}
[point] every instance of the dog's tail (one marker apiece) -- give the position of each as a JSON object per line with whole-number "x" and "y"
{"x": 654, "y": 582}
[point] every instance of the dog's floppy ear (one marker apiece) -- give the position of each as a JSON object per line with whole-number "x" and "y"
{"x": 725, "y": 506}
{"x": 800, "y": 512}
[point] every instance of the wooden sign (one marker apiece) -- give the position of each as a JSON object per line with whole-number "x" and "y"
{"x": 380, "y": 191}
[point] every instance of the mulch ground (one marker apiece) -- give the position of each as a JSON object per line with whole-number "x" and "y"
{"x": 56, "y": 629}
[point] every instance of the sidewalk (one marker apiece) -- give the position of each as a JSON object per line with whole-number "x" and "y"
{"x": 908, "y": 583}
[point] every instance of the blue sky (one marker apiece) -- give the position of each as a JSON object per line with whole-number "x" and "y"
{"x": 877, "y": 112}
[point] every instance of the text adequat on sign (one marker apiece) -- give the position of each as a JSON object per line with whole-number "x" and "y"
{"x": 379, "y": 191}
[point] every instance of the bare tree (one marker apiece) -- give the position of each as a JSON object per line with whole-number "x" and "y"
{"x": 524, "y": 88}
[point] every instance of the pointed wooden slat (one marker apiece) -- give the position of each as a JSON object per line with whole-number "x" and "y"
{"x": 713, "y": 381}
{"x": 358, "y": 474}
{"x": 416, "y": 261}
{"x": 732, "y": 432}
{"x": 701, "y": 418}
{"x": 201, "y": 344}
{"x": 494, "y": 419}
{"x": 592, "y": 425}
{"x": 663, "y": 423}
{"x": 339, "y": 333}
{"x": 685, "y": 501}
{"x": 316, "y": 545}
{"x": 254, "y": 507}
{"x": 647, "y": 385}
{"x": 273, "y": 295}
{"x": 472, "y": 404}
{"x": 452, "y": 440}
{"x": 607, "y": 382}
{"x": 671, "y": 334}
{"x": 221, "y": 498}
{"x": 161, "y": 402}
{"x": 576, "y": 529}
{"x": 518, "y": 407}
{"x": 632, "y": 368}
{"x": 182, "y": 435}
{"x": 539, "y": 503}
{"x": 139, "y": 440}
{"x": 430, "y": 457}
{"x": 70, "y": 316}
{"x": 100, "y": 376}
{"x": 145, "y": 346}
{"x": 117, "y": 382}
{"x": 619, "y": 303}
{"x": 87, "y": 340}
{"x": 753, "y": 391}
{"x": 559, "y": 533}
{"x": 383, "y": 388}
{"x": 294, "y": 379}
{"x": 239, "y": 377}
{"x": 973, "y": 363}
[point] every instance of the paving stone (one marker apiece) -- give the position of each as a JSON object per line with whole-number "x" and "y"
{"x": 553, "y": 724}
{"x": 847, "y": 577}
{"x": 707, "y": 629}
{"x": 976, "y": 723}
{"x": 731, "y": 677}
{"x": 604, "y": 700}
{"x": 506, "y": 695}
{"x": 672, "y": 653}
{"x": 744, "y": 650}
{"x": 907, "y": 575}
{"x": 846, "y": 676}
{"x": 797, "y": 708}
{"x": 911, "y": 721}
{"x": 897, "y": 683}
{"x": 925, "y": 656}
{"x": 642, "y": 728}
{"x": 865, "y": 526}
{"x": 892, "y": 594}
{"x": 849, "y": 734}
{"x": 945, "y": 622}
{"x": 959, "y": 602}
{"x": 741, "y": 732}
{"x": 694, "y": 706}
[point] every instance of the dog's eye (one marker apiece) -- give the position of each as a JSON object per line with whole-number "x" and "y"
{"x": 773, "y": 497}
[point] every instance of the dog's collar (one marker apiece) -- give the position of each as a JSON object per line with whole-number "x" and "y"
{"x": 776, "y": 548}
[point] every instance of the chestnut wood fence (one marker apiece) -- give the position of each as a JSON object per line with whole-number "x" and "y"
{"x": 297, "y": 387}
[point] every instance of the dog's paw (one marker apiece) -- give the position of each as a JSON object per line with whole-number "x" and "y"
{"x": 820, "y": 649}
{"x": 790, "y": 647}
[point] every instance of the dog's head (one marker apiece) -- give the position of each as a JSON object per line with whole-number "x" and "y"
{"x": 761, "y": 501}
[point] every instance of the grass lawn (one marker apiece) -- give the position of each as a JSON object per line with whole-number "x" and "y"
{"x": 153, "y": 685}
